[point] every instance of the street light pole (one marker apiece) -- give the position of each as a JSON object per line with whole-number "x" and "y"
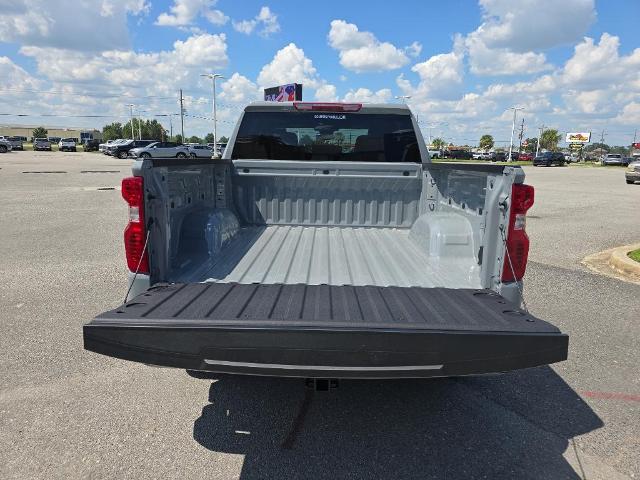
{"x": 131, "y": 105}
{"x": 214, "y": 77}
{"x": 513, "y": 129}
{"x": 541, "y": 131}
{"x": 139, "y": 127}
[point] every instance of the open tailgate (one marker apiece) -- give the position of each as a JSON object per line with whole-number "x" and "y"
{"x": 325, "y": 331}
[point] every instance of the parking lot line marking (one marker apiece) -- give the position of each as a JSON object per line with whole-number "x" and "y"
{"x": 611, "y": 396}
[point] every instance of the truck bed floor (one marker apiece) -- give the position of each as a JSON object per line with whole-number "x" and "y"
{"x": 331, "y": 256}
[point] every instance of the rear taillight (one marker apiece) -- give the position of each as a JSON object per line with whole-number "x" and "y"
{"x": 135, "y": 233}
{"x": 327, "y": 107}
{"x": 522, "y": 197}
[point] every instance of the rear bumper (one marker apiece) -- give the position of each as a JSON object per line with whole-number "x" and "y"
{"x": 324, "y": 353}
{"x": 632, "y": 176}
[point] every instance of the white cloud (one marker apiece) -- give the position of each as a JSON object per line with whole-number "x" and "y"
{"x": 289, "y": 65}
{"x": 185, "y": 12}
{"x": 40, "y": 23}
{"x": 266, "y": 20}
{"x": 159, "y": 71}
{"x": 239, "y": 89}
{"x": 440, "y": 77}
{"x": 362, "y": 52}
{"x": 414, "y": 49}
{"x": 502, "y": 61}
{"x": 597, "y": 64}
{"x": 511, "y": 34}
{"x": 13, "y": 76}
{"x": 368, "y": 96}
{"x": 529, "y": 25}
{"x": 326, "y": 93}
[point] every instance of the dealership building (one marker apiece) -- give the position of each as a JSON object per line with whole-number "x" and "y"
{"x": 62, "y": 132}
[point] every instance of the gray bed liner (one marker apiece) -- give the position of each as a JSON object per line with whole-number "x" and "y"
{"x": 330, "y": 256}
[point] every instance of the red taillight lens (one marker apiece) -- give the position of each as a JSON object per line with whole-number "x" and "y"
{"x": 135, "y": 233}
{"x": 327, "y": 107}
{"x": 522, "y": 197}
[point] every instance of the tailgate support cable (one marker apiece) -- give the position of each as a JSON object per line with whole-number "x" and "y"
{"x": 135, "y": 274}
{"x": 518, "y": 284}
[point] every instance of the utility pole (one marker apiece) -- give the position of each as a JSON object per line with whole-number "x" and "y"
{"x": 181, "y": 116}
{"x": 539, "y": 137}
{"x": 513, "y": 129}
{"x": 131, "y": 105}
{"x": 520, "y": 136}
{"x": 602, "y": 135}
{"x": 139, "y": 127}
{"x": 213, "y": 77}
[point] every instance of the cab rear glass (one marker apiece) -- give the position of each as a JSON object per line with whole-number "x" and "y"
{"x": 326, "y": 136}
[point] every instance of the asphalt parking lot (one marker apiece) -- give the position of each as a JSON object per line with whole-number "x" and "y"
{"x": 67, "y": 413}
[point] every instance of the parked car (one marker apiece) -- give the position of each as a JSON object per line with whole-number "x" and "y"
{"x": 16, "y": 143}
{"x": 434, "y": 153}
{"x": 632, "y": 174}
{"x": 482, "y": 155}
{"x": 41, "y": 144}
{"x": 121, "y": 150}
{"x": 526, "y": 157}
{"x": 67, "y": 145}
{"x": 262, "y": 268}
{"x": 459, "y": 154}
{"x": 498, "y": 157}
{"x": 91, "y": 145}
{"x": 161, "y": 149}
{"x": 203, "y": 151}
{"x": 614, "y": 159}
{"x": 54, "y": 139}
{"x": 550, "y": 158}
{"x": 109, "y": 150}
{"x": 515, "y": 156}
{"x": 103, "y": 146}
{"x": 5, "y": 145}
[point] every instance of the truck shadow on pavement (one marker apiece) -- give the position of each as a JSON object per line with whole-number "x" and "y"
{"x": 514, "y": 425}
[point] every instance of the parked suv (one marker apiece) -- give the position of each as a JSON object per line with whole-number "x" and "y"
{"x": 202, "y": 151}
{"x": 16, "y": 143}
{"x": 121, "y": 150}
{"x": 41, "y": 144}
{"x": 549, "y": 158}
{"x": 5, "y": 145}
{"x": 67, "y": 145}
{"x": 615, "y": 159}
{"x": 161, "y": 149}
{"x": 632, "y": 174}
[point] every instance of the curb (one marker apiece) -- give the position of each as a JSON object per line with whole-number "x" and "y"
{"x": 621, "y": 262}
{"x": 614, "y": 263}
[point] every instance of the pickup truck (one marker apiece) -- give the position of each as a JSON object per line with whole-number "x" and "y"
{"x": 300, "y": 254}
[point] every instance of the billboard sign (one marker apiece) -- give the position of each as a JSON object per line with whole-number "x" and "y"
{"x": 284, "y": 93}
{"x": 636, "y": 145}
{"x": 578, "y": 137}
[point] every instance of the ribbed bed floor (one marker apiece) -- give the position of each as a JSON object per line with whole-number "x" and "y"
{"x": 330, "y": 256}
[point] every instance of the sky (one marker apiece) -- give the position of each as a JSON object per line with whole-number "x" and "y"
{"x": 573, "y": 65}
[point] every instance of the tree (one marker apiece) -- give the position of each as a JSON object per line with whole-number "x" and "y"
{"x": 194, "y": 139}
{"x": 306, "y": 140}
{"x": 40, "y": 132}
{"x": 112, "y": 131}
{"x": 178, "y": 138}
{"x": 209, "y": 138}
{"x": 150, "y": 129}
{"x": 486, "y": 142}
{"x": 549, "y": 139}
{"x": 438, "y": 143}
{"x": 597, "y": 146}
{"x": 532, "y": 143}
{"x": 223, "y": 139}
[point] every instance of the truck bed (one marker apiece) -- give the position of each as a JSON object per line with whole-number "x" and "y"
{"x": 325, "y": 331}
{"x": 329, "y": 256}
